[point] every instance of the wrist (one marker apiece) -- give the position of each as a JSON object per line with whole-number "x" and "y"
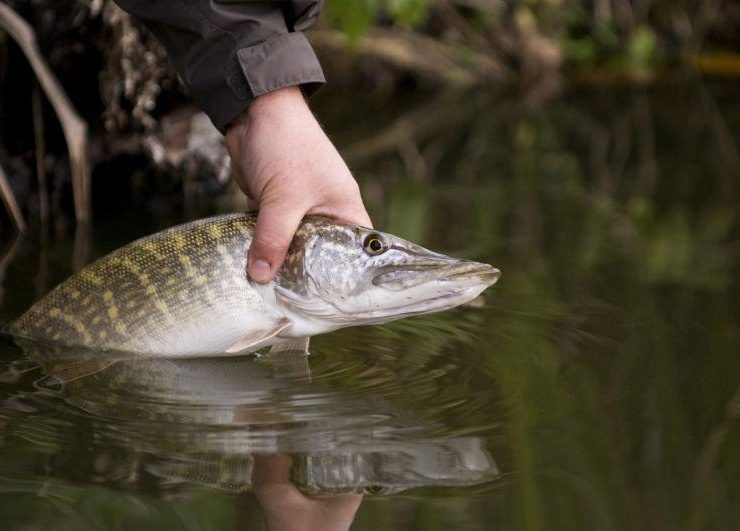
{"x": 287, "y": 100}
{"x": 283, "y": 98}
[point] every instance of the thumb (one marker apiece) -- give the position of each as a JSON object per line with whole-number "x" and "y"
{"x": 276, "y": 225}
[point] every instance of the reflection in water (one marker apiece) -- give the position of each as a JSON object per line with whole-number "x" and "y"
{"x": 602, "y": 374}
{"x": 235, "y": 424}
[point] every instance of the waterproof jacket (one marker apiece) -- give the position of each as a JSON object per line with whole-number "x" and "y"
{"x": 228, "y": 52}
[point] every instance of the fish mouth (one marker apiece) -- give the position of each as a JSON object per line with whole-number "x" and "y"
{"x": 483, "y": 273}
{"x": 413, "y": 288}
{"x": 459, "y": 272}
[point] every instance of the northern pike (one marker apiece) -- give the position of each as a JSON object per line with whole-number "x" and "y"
{"x": 185, "y": 291}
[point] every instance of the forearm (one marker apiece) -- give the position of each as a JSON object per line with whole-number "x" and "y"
{"x": 230, "y": 52}
{"x": 243, "y": 63}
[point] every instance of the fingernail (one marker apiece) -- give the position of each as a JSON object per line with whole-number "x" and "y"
{"x": 260, "y": 272}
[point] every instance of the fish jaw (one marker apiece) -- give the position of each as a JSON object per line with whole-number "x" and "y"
{"x": 385, "y": 299}
{"x": 456, "y": 274}
{"x": 333, "y": 277}
{"x": 403, "y": 291}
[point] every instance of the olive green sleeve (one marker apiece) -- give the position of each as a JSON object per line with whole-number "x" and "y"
{"x": 228, "y": 52}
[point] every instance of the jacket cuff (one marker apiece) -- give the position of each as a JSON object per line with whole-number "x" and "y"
{"x": 282, "y": 61}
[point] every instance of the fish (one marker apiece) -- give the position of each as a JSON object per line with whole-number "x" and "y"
{"x": 185, "y": 291}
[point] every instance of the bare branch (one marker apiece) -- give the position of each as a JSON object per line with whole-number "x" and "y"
{"x": 74, "y": 127}
{"x": 8, "y": 197}
{"x": 418, "y": 54}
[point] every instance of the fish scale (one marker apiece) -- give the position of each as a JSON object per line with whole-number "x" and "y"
{"x": 149, "y": 286}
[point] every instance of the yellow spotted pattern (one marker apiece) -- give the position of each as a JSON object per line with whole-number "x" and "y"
{"x": 129, "y": 298}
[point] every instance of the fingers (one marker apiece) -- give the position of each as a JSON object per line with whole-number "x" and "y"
{"x": 361, "y": 218}
{"x": 233, "y": 140}
{"x": 271, "y": 469}
{"x": 343, "y": 212}
{"x": 276, "y": 224}
{"x": 344, "y": 204}
{"x": 282, "y": 502}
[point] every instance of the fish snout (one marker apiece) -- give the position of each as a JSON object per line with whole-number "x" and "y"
{"x": 466, "y": 270}
{"x": 443, "y": 270}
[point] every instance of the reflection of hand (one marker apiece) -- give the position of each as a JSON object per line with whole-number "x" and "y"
{"x": 287, "y": 508}
{"x": 287, "y": 165}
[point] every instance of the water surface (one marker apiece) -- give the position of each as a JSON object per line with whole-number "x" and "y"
{"x": 596, "y": 386}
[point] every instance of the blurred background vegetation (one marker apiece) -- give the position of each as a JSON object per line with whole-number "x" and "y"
{"x": 393, "y": 51}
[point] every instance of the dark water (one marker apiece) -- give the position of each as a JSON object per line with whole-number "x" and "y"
{"x": 597, "y": 386}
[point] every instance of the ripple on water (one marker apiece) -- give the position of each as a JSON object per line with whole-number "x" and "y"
{"x": 353, "y": 420}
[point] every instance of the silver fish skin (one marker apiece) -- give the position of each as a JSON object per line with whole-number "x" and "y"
{"x": 185, "y": 292}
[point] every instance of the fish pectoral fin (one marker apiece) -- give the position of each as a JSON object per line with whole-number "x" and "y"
{"x": 69, "y": 372}
{"x": 258, "y": 338}
{"x": 300, "y": 344}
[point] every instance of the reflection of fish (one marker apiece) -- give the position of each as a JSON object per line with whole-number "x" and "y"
{"x": 206, "y": 420}
{"x": 185, "y": 291}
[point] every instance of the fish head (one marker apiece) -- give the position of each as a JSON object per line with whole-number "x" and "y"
{"x": 342, "y": 275}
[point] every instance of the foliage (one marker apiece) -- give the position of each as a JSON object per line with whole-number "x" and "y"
{"x": 605, "y": 33}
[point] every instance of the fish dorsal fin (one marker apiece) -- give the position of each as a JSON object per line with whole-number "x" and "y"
{"x": 300, "y": 344}
{"x": 258, "y": 338}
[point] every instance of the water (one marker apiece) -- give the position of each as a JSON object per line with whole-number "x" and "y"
{"x": 596, "y": 386}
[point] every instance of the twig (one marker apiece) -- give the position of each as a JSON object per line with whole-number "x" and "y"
{"x": 413, "y": 127}
{"x": 8, "y": 197}
{"x": 702, "y": 20}
{"x": 453, "y": 17}
{"x": 726, "y": 143}
{"x": 707, "y": 464}
{"x": 82, "y": 246}
{"x": 74, "y": 127}
{"x": 8, "y": 256}
{"x": 645, "y": 139}
{"x": 418, "y": 54}
{"x": 38, "y": 132}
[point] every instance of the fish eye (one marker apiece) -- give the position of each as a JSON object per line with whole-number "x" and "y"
{"x": 374, "y": 245}
{"x": 375, "y": 489}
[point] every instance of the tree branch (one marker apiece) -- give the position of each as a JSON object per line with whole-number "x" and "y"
{"x": 74, "y": 127}
{"x": 8, "y": 197}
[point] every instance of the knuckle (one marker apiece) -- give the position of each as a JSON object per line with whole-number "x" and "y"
{"x": 269, "y": 244}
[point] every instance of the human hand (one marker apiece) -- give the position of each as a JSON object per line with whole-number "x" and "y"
{"x": 287, "y": 509}
{"x": 288, "y": 167}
